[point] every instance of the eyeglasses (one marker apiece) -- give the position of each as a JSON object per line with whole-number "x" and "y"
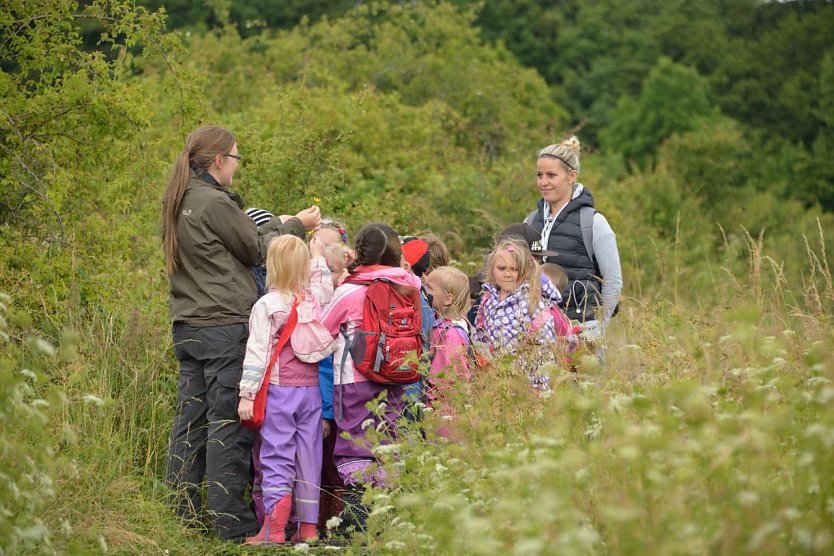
{"x": 338, "y": 226}
{"x": 235, "y": 156}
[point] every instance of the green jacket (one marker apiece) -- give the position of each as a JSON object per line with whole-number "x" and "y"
{"x": 219, "y": 244}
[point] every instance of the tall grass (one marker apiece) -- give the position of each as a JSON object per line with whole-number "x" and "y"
{"x": 709, "y": 430}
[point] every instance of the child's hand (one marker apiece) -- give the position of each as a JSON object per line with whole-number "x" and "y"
{"x": 310, "y": 217}
{"x": 317, "y": 247}
{"x": 245, "y": 409}
{"x": 325, "y": 428}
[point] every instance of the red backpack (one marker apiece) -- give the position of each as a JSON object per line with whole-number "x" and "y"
{"x": 389, "y": 332}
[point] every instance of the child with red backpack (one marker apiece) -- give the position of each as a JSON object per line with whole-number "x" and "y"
{"x": 375, "y": 315}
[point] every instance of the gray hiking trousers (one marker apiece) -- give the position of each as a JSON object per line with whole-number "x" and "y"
{"x": 207, "y": 439}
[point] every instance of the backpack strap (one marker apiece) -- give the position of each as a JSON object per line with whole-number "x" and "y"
{"x": 530, "y": 217}
{"x": 586, "y": 223}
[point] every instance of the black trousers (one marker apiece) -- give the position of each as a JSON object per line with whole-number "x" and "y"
{"x": 207, "y": 439}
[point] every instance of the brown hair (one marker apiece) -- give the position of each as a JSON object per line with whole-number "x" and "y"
{"x": 377, "y": 244}
{"x": 438, "y": 252}
{"x": 528, "y": 269}
{"x": 288, "y": 265}
{"x": 201, "y": 147}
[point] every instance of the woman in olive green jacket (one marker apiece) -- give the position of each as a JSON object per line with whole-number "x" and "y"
{"x": 210, "y": 248}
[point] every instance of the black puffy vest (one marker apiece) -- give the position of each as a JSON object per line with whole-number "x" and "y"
{"x": 582, "y": 297}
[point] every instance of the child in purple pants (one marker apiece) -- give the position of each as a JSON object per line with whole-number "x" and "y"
{"x": 291, "y": 435}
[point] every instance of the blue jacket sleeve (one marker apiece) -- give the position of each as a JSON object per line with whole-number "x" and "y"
{"x": 326, "y": 387}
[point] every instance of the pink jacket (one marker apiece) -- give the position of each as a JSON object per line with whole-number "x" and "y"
{"x": 450, "y": 347}
{"x": 345, "y": 310}
{"x": 267, "y": 319}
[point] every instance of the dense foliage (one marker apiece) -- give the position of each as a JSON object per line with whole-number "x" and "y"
{"x": 708, "y": 129}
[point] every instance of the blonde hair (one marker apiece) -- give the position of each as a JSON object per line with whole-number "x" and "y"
{"x": 566, "y": 152}
{"x": 201, "y": 147}
{"x": 288, "y": 265}
{"x": 529, "y": 270}
{"x": 455, "y": 282}
{"x": 336, "y": 249}
{"x": 557, "y": 274}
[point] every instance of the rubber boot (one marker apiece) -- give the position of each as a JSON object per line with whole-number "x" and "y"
{"x": 354, "y": 512}
{"x": 272, "y": 531}
{"x": 306, "y": 533}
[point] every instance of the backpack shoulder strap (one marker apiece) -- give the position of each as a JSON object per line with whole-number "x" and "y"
{"x": 530, "y": 217}
{"x": 586, "y": 223}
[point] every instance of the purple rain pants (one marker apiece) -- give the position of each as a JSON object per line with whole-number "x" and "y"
{"x": 349, "y": 406}
{"x": 291, "y": 449}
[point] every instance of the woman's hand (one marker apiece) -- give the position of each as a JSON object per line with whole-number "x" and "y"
{"x": 310, "y": 217}
{"x": 326, "y": 428}
{"x": 245, "y": 409}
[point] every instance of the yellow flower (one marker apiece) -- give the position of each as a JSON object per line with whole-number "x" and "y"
{"x": 316, "y": 200}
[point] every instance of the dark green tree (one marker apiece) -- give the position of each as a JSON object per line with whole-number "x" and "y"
{"x": 673, "y": 99}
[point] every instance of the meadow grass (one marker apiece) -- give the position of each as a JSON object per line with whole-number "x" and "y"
{"x": 708, "y": 430}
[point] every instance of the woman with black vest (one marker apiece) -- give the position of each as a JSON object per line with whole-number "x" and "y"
{"x": 585, "y": 244}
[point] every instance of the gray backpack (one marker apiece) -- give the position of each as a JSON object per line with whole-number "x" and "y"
{"x": 586, "y": 223}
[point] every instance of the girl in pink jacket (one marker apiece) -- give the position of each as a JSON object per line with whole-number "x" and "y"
{"x": 448, "y": 290}
{"x": 378, "y": 256}
{"x": 288, "y": 461}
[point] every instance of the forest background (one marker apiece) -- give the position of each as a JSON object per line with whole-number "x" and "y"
{"x": 708, "y": 142}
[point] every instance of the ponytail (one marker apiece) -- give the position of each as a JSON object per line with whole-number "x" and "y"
{"x": 201, "y": 147}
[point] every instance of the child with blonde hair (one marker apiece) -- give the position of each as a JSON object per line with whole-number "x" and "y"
{"x": 337, "y": 254}
{"x": 290, "y": 453}
{"x": 448, "y": 292}
{"x": 333, "y": 235}
{"x": 515, "y": 307}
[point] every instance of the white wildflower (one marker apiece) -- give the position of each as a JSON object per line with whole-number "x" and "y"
{"x": 366, "y": 423}
{"x": 35, "y": 533}
{"x": 29, "y": 374}
{"x": 395, "y": 545}
{"x": 102, "y": 544}
{"x": 792, "y": 514}
{"x": 333, "y": 522}
{"x": 93, "y": 399}
{"x": 748, "y": 497}
{"x": 40, "y": 403}
{"x": 384, "y": 449}
{"x": 301, "y": 548}
{"x": 44, "y": 347}
{"x": 381, "y": 510}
